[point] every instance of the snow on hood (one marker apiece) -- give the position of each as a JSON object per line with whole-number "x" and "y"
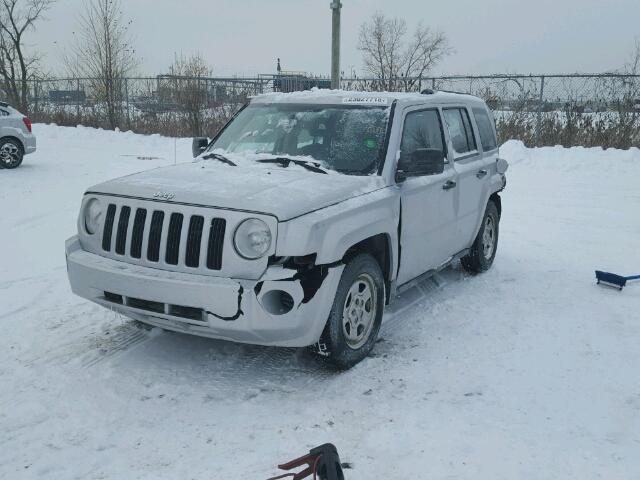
{"x": 265, "y": 188}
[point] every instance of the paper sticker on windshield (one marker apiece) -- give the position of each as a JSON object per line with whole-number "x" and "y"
{"x": 366, "y": 100}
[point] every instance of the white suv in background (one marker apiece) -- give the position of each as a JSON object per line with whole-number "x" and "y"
{"x": 16, "y": 137}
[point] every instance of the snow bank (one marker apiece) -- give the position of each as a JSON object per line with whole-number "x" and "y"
{"x": 527, "y": 371}
{"x": 567, "y": 159}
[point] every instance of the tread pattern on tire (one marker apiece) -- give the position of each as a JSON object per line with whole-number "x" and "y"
{"x": 475, "y": 262}
{"x": 20, "y": 149}
{"x": 338, "y": 353}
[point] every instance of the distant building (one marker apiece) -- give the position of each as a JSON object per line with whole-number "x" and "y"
{"x": 297, "y": 81}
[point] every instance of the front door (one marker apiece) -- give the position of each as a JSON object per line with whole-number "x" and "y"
{"x": 428, "y": 202}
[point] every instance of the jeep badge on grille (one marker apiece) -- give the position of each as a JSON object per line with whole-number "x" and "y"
{"x": 164, "y": 195}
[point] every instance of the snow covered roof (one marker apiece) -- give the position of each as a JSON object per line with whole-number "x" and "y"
{"x": 322, "y": 96}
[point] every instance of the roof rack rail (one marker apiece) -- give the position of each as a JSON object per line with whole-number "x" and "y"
{"x": 453, "y": 91}
{"x": 4, "y": 104}
{"x": 429, "y": 91}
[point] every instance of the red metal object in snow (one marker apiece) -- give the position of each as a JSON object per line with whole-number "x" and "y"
{"x": 322, "y": 462}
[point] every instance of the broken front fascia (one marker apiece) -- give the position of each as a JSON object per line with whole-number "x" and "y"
{"x": 234, "y": 308}
{"x": 310, "y": 276}
{"x": 312, "y": 289}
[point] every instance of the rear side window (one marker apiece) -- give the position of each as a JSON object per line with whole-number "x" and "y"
{"x": 422, "y": 129}
{"x": 460, "y": 130}
{"x": 3, "y": 113}
{"x": 485, "y": 127}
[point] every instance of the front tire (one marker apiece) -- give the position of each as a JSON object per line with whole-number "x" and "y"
{"x": 11, "y": 153}
{"x": 483, "y": 250}
{"x": 356, "y": 315}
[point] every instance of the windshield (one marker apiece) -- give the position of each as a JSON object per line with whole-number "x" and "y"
{"x": 347, "y": 139}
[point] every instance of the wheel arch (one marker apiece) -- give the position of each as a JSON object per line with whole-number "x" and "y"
{"x": 497, "y": 201}
{"x": 16, "y": 139}
{"x": 495, "y": 198}
{"x": 379, "y": 247}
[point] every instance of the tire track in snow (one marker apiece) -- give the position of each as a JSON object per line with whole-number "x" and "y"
{"x": 395, "y": 317}
{"x": 115, "y": 345}
{"x": 14, "y": 311}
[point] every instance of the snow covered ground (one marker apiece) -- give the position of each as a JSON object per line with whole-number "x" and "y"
{"x": 528, "y": 371}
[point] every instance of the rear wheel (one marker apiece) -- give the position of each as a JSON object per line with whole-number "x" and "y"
{"x": 356, "y": 315}
{"x": 11, "y": 153}
{"x": 483, "y": 250}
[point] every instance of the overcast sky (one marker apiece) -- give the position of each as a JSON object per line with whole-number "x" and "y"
{"x": 245, "y": 36}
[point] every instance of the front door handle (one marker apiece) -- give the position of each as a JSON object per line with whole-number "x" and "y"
{"x": 481, "y": 173}
{"x": 449, "y": 185}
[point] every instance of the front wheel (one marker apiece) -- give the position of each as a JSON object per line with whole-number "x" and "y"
{"x": 11, "y": 153}
{"x": 483, "y": 250}
{"x": 356, "y": 315}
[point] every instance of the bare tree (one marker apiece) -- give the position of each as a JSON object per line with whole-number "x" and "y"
{"x": 629, "y": 107}
{"x": 104, "y": 52}
{"x": 189, "y": 88}
{"x": 633, "y": 65}
{"x": 398, "y": 62}
{"x": 17, "y": 67}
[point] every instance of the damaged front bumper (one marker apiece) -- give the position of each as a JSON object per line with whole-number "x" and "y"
{"x": 283, "y": 308}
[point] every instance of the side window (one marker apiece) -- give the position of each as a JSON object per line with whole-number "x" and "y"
{"x": 486, "y": 129}
{"x": 422, "y": 129}
{"x": 471, "y": 138}
{"x": 460, "y": 131}
{"x": 3, "y": 113}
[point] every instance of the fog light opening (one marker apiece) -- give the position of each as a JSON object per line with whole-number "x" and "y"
{"x": 277, "y": 302}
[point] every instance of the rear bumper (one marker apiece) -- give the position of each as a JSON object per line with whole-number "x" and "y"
{"x": 229, "y": 309}
{"x": 29, "y": 142}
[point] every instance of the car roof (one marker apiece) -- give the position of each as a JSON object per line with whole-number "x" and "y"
{"x": 345, "y": 97}
{"x": 8, "y": 108}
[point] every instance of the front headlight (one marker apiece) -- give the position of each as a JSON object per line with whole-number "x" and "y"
{"x": 92, "y": 215}
{"x": 252, "y": 239}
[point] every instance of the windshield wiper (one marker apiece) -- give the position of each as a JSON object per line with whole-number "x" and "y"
{"x": 220, "y": 158}
{"x": 285, "y": 162}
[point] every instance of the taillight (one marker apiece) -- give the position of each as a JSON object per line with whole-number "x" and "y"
{"x": 27, "y": 123}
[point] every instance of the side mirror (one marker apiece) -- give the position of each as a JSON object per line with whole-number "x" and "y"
{"x": 199, "y": 145}
{"x": 422, "y": 162}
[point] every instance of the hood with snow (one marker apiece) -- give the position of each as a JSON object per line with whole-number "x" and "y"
{"x": 270, "y": 189}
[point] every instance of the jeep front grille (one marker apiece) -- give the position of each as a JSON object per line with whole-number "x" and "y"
{"x": 108, "y": 227}
{"x": 173, "y": 238}
{"x": 137, "y": 234}
{"x": 164, "y": 235}
{"x": 194, "y": 238}
{"x": 216, "y": 238}
{"x": 123, "y": 225}
{"x": 155, "y": 236}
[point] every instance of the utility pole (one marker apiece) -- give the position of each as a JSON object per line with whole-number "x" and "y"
{"x": 336, "y": 6}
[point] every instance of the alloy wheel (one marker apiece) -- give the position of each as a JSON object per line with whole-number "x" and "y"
{"x": 489, "y": 237}
{"x": 9, "y": 154}
{"x": 359, "y": 311}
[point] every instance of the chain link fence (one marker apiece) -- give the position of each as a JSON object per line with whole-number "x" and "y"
{"x": 589, "y": 110}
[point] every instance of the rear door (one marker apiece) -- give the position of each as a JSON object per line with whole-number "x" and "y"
{"x": 472, "y": 170}
{"x": 428, "y": 202}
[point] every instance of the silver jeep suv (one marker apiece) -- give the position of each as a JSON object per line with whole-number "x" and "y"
{"x": 300, "y": 221}
{"x": 16, "y": 137}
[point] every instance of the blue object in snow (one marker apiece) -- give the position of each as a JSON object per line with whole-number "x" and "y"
{"x": 613, "y": 280}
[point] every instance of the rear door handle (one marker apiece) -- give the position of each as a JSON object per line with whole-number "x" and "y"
{"x": 481, "y": 173}
{"x": 449, "y": 185}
